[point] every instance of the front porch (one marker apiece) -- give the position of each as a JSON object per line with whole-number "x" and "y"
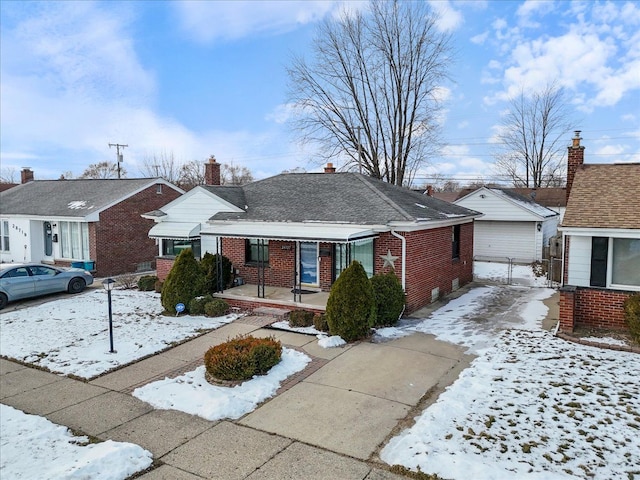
{"x": 245, "y": 297}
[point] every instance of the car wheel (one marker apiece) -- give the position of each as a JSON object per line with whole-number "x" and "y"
{"x": 77, "y": 285}
{"x": 3, "y": 301}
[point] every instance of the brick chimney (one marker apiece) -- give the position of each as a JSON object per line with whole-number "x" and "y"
{"x": 429, "y": 190}
{"x": 26, "y": 175}
{"x": 212, "y": 172}
{"x": 329, "y": 168}
{"x": 575, "y": 158}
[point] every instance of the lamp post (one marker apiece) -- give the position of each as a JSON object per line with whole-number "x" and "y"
{"x": 108, "y": 286}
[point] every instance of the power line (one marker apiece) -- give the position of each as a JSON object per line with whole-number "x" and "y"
{"x": 119, "y": 156}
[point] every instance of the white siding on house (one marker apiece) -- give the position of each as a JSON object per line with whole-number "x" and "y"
{"x": 196, "y": 206}
{"x": 19, "y": 241}
{"x": 579, "y": 265}
{"x": 502, "y": 240}
{"x": 496, "y": 207}
{"x": 549, "y": 229}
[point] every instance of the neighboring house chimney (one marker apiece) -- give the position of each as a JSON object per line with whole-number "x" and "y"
{"x": 329, "y": 168}
{"x": 429, "y": 190}
{"x": 212, "y": 172}
{"x": 575, "y": 158}
{"x": 26, "y": 175}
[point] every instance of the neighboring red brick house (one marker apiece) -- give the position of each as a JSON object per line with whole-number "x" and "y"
{"x": 601, "y": 233}
{"x": 300, "y": 231}
{"x": 96, "y": 222}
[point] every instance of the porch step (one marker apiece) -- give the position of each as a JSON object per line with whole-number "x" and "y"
{"x": 272, "y": 312}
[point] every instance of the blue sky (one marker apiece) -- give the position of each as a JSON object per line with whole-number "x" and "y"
{"x": 201, "y": 78}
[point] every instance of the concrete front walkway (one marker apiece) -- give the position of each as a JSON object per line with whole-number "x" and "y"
{"x": 327, "y": 422}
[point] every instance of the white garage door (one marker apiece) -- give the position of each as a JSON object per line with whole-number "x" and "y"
{"x": 497, "y": 240}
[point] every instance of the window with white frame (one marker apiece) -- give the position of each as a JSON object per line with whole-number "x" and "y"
{"x": 361, "y": 250}
{"x": 4, "y": 235}
{"x": 74, "y": 240}
{"x": 625, "y": 261}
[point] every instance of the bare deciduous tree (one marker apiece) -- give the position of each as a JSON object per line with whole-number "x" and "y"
{"x": 191, "y": 175}
{"x": 232, "y": 174}
{"x": 161, "y": 165}
{"x": 372, "y": 93}
{"x": 532, "y": 138}
{"x": 103, "y": 170}
{"x": 8, "y": 175}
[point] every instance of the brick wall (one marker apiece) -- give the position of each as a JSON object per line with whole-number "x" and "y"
{"x": 121, "y": 237}
{"x": 593, "y": 308}
{"x": 430, "y": 266}
{"x": 163, "y": 267}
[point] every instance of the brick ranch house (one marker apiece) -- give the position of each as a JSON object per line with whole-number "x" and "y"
{"x": 93, "y": 222}
{"x": 601, "y": 236}
{"x": 300, "y": 230}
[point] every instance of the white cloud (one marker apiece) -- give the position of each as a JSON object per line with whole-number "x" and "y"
{"x": 481, "y": 38}
{"x": 531, "y": 8}
{"x": 205, "y": 22}
{"x": 449, "y": 18}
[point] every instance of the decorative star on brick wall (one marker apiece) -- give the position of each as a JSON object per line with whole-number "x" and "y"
{"x": 389, "y": 260}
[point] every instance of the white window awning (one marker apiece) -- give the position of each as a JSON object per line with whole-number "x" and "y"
{"x": 292, "y": 231}
{"x": 175, "y": 230}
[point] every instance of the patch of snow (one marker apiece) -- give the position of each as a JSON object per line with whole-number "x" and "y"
{"x": 71, "y": 335}
{"x": 284, "y": 325}
{"x": 520, "y": 274}
{"x": 531, "y": 206}
{"x": 33, "y": 447}
{"x": 389, "y": 333}
{"x": 191, "y": 393}
{"x": 330, "y": 342}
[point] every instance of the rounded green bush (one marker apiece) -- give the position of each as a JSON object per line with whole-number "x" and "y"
{"x": 242, "y": 357}
{"x": 320, "y": 322}
{"x": 301, "y": 318}
{"x": 351, "y": 308}
{"x": 196, "y": 305}
{"x": 147, "y": 283}
{"x": 389, "y": 298}
{"x": 183, "y": 283}
{"x": 216, "y": 308}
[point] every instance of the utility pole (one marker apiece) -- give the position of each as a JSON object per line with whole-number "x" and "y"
{"x": 118, "y": 154}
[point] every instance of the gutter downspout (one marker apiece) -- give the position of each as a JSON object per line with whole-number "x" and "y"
{"x": 404, "y": 257}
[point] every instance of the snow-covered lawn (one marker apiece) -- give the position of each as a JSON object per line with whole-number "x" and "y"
{"x": 32, "y": 447}
{"x": 530, "y": 406}
{"x": 71, "y": 335}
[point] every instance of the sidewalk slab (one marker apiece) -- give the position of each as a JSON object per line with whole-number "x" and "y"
{"x": 7, "y": 366}
{"x": 425, "y": 343}
{"x": 233, "y": 329}
{"x": 160, "y": 431}
{"x": 25, "y": 380}
{"x": 138, "y": 373}
{"x": 384, "y": 371}
{"x": 299, "y": 461}
{"x": 339, "y": 420}
{"x": 167, "y": 472}
{"x": 226, "y": 451}
{"x": 99, "y": 414}
{"x": 54, "y": 396}
{"x": 286, "y": 338}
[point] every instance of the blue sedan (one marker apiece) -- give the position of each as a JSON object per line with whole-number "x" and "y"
{"x": 18, "y": 281}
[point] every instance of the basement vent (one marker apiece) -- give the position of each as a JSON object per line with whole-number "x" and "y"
{"x": 455, "y": 284}
{"x": 435, "y": 294}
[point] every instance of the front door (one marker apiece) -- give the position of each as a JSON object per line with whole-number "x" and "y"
{"x": 309, "y": 263}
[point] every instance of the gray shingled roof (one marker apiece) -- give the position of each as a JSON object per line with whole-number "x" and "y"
{"x": 68, "y": 198}
{"x": 230, "y": 193}
{"x": 338, "y": 198}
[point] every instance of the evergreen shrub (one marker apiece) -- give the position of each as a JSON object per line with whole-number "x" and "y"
{"x": 301, "y": 318}
{"x": 320, "y": 322}
{"x": 351, "y": 308}
{"x": 147, "y": 283}
{"x": 196, "y": 305}
{"x": 158, "y": 286}
{"x": 389, "y": 298}
{"x": 216, "y": 308}
{"x": 209, "y": 267}
{"x": 183, "y": 283}
{"x": 242, "y": 357}
{"x": 632, "y": 315}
